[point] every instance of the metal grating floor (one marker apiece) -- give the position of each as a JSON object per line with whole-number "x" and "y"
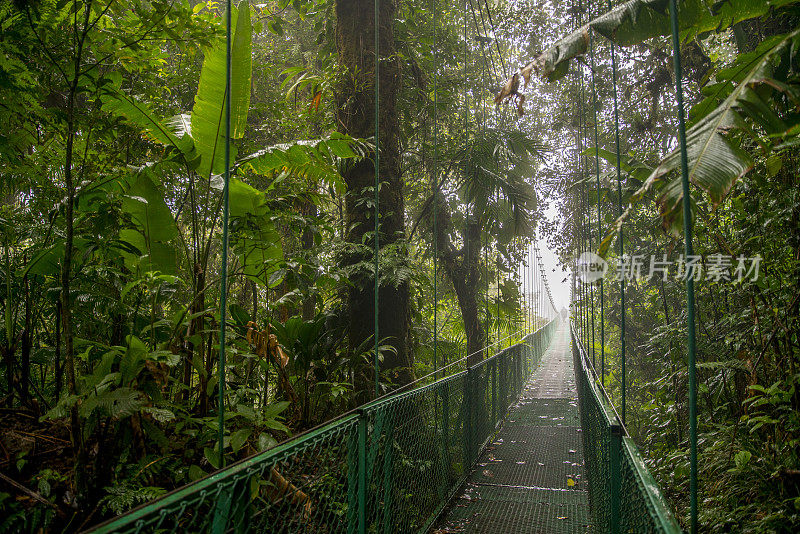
{"x": 530, "y": 479}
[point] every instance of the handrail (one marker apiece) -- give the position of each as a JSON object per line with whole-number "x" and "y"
{"x": 342, "y": 474}
{"x": 627, "y": 498}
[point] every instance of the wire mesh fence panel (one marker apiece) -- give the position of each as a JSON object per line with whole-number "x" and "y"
{"x": 306, "y": 485}
{"x": 391, "y": 466}
{"x": 595, "y": 424}
{"x": 415, "y": 455}
{"x": 623, "y": 496}
{"x": 643, "y": 507}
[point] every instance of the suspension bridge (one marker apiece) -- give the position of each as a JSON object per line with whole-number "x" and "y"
{"x": 524, "y": 441}
{"x": 527, "y": 440}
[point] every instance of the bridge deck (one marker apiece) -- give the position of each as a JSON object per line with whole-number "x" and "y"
{"x": 530, "y": 478}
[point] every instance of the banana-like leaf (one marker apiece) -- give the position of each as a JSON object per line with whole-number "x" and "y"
{"x": 715, "y": 163}
{"x": 260, "y": 253}
{"x": 255, "y": 239}
{"x": 208, "y": 114}
{"x": 740, "y": 101}
{"x": 154, "y": 225}
{"x": 117, "y": 102}
{"x": 245, "y": 199}
{"x": 148, "y": 210}
{"x": 636, "y": 21}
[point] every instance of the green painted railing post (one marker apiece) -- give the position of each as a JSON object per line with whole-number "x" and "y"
{"x": 494, "y": 393}
{"x": 615, "y": 432}
{"x": 388, "y": 471}
{"x": 445, "y": 449}
{"x": 362, "y": 472}
{"x": 352, "y": 482}
{"x": 468, "y": 418}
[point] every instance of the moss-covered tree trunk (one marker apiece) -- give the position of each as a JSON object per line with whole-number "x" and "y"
{"x": 462, "y": 268}
{"x": 356, "y": 117}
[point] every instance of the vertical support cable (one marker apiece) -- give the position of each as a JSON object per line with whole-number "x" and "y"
{"x": 466, "y": 167}
{"x": 581, "y": 166}
{"x": 224, "y": 268}
{"x": 538, "y": 283}
{"x": 688, "y": 251}
{"x": 529, "y": 295}
{"x": 597, "y": 175}
{"x": 377, "y": 187}
{"x": 435, "y": 200}
{"x": 621, "y": 237}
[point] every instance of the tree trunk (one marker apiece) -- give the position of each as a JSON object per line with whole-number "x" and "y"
{"x": 25, "y": 349}
{"x": 463, "y": 274}
{"x": 309, "y": 307}
{"x": 355, "y": 115}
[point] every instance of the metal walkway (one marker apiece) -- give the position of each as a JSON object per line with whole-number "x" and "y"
{"x": 531, "y": 477}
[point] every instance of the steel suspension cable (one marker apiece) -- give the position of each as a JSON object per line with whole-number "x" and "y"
{"x": 621, "y": 247}
{"x": 466, "y": 146}
{"x": 531, "y": 325}
{"x": 376, "y": 199}
{"x": 224, "y": 267}
{"x": 486, "y": 60}
{"x": 582, "y": 168}
{"x": 435, "y": 196}
{"x": 688, "y": 251}
{"x": 597, "y": 175}
{"x": 497, "y": 44}
{"x": 493, "y": 38}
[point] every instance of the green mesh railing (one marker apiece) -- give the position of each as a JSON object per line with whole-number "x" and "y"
{"x": 390, "y": 466}
{"x": 623, "y": 496}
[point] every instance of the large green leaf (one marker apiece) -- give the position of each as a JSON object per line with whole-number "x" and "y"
{"x": 155, "y": 255}
{"x": 260, "y": 253}
{"x": 638, "y": 20}
{"x": 255, "y": 238}
{"x": 145, "y": 204}
{"x": 742, "y": 101}
{"x": 208, "y": 114}
{"x": 153, "y": 222}
{"x": 715, "y": 163}
{"x": 119, "y": 103}
{"x": 245, "y": 199}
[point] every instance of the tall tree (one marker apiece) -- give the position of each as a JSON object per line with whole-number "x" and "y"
{"x": 355, "y": 38}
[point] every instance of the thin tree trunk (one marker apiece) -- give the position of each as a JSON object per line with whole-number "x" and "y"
{"x": 307, "y": 243}
{"x": 464, "y": 275}
{"x": 59, "y": 369}
{"x": 25, "y": 349}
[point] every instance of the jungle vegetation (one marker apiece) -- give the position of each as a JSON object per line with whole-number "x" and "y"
{"x": 111, "y": 162}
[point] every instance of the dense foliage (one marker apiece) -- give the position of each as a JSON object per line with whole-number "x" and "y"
{"x": 111, "y": 165}
{"x": 741, "y": 84}
{"x": 112, "y": 161}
